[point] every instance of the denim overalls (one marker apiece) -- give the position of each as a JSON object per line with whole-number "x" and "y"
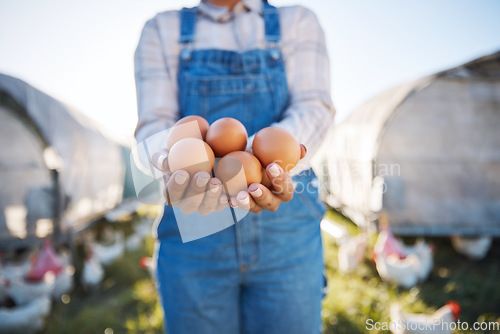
{"x": 263, "y": 274}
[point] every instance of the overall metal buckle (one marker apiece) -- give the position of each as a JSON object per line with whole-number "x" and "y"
{"x": 186, "y": 52}
{"x": 274, "y": 50}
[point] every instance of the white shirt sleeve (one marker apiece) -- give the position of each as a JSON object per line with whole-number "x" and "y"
{"x": 311, "y": 112}
{"x": 157, "y": 104}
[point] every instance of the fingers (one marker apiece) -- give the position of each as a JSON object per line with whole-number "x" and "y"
{"x": 303, "y": 151}
{"x": 281, "y": 181}
{"x": 160, "y": 161}
{"x": 195, "y": 192}
{"x": 211, "y": 198}
{"x": 205, "y": 195}
{"x": 223, "y": 202}
{"x": 263, "y": 197}
{"x": 164, "y": 189}
{"x": 249, "y": 204}
{"x": 176, "y": 186}
{"x": 242, "y": 201}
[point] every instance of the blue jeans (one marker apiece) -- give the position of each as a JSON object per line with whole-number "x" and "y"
{"x": 262, "y": 275}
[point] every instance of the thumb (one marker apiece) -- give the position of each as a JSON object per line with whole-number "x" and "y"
{"x": 303, "y": 151}
{"x": 160, "y": 160}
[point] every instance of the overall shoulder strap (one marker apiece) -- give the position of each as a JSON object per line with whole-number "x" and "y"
{"x": 187, "y": 25}
{"x": 271, "y": 22}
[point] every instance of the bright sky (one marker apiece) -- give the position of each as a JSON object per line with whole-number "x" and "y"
{"x": 81, "y": 52}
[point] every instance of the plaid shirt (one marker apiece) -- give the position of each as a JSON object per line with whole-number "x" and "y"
{"x": 310, "y": 112}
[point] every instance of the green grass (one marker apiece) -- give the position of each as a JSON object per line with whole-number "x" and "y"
{"x": 127, "y": 302}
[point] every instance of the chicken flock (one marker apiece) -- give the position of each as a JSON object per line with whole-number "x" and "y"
{"x": 28, "y": 287}
{"x": 406, "y": 266}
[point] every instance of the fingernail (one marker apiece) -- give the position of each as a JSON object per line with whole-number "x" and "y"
{"x": 274, "y": 170}
{"x": 202, "y": 180}
{"x": 161, "y": 159}
{"x": 223, "y": 199}
{"x": 214, "y": 187}
{"x": 243, "y": 199}
{"x": 180, "y": 179}
{"x": 257, "y": 192}
{"x": 233, "y": 203}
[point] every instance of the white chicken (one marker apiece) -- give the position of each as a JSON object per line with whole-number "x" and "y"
{"x": 64, "y": 280}
{"x": 403, "y": 272}
{"x": 352, "y": 252}
{"x": 475, "y": 248}
{"x": 15, "y": 270}
{"x": 402, "y": 264}
{"x": 439, "y": 322}
{"x": 387, "y": 244}
{"x": 92, "y": 273}
{"x": 11, "y": 272}
{"x": 26, "y": 318}
{"x": 425, "y": 254}
{"x": 23, "y": 291}
{"x": 107, "y": 254}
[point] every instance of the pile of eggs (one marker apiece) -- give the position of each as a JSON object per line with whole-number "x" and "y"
{"x": 193, "y": 147}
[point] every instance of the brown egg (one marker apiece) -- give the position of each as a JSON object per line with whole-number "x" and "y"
{"x": 237, "y": 170}
{"x": 192, "y": 155}
{"x": 226, "y": 135}
{"x": 275, "y": 144}
{"x": 184, "y": 129}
